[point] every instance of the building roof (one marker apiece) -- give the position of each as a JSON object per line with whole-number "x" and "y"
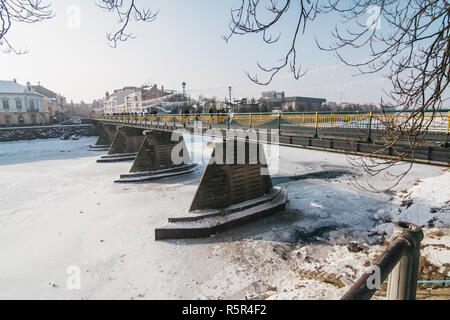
{"x": 11, "y": 87}
{"x": 297, "y": 99}
{"x": 119, "y": 95}
{"x": 44, "y": 91}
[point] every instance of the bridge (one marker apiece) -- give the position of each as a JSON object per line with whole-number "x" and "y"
{"x": 235, "y": 186}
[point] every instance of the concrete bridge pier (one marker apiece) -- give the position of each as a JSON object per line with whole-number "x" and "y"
{"x": 106, "y": 136}
{"x": 235, "y": 188}
{"x": 161, "y": 155}
{"x": 125, "y": 145}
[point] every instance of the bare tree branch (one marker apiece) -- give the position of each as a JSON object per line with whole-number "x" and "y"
{"x": 27, "y": 11}
{"x": 32, "y": 11}
{"x": 125, "y": 13}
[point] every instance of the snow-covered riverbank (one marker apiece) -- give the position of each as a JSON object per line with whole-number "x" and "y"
{"x": 67, "y": 211}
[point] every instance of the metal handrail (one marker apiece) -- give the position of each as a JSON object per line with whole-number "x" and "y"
{"x": 400, "y": 262}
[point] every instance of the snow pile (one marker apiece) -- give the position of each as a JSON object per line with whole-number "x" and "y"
{"x": 426, "y": 203}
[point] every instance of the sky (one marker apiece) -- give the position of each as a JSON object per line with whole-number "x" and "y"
{"x": 70, "y": 54}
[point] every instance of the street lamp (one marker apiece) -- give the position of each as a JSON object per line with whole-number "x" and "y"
{"x": 184, "y": 94}
{"x": 231, "y": 105}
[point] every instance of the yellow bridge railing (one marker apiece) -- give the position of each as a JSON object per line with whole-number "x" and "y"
{"x": 367, "y": 123}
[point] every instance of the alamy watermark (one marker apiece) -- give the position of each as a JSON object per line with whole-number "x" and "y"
{"x": 241, "y": 147}
{"x": 74, "y": 280}
{"x": 73, "y": 21}
{"x": 374, "y": 20}
{"x": 374, "y": 280}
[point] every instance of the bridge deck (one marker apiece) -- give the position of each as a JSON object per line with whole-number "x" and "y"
{"x": 358, "y": 134}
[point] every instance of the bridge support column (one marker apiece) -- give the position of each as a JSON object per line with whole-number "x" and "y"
{"x": 235, "y": 188}
{"x": 159, "y": 157}
{"x": 106, "y": 136}
{"x": 125, "y": 145}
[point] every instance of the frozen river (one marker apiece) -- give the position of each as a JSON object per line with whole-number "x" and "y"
{"x": 61, "y": 213}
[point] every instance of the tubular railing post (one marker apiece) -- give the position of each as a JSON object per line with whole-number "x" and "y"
{"x": 448, "y": 128}
{"x": 369, "y": 138}
{"x": 228, "y": 121}
{"x": 316, "y": 126}
{"x": 250, "y": 121}
{"x": 402, "y": 283}
{"x": 279, "y": 121}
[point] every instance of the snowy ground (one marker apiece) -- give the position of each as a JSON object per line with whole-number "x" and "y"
{"x": 65, "y": 212}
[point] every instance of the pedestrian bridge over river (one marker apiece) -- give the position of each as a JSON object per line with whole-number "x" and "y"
{"x": 235, "y": 186}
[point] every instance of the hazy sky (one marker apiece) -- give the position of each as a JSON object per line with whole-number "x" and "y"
{"x": 183, "y": 44}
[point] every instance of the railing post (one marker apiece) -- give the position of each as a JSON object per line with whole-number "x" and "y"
{"x": 250, "y": 121}
{"x": 228, "y": 121}
{"x": 316, "y": 126}
{"x": 369, "y": 138}
{"x": 279, "y": 122}
{"x": 402, "y": 282}
{"x": 448, "y": 128}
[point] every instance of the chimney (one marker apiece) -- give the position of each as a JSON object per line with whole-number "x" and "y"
{"x": 15, "y": 80}
{"x": 162, "y": 89}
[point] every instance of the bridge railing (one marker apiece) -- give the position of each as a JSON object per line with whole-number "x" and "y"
{"x": 399, "y": 262}
{"x": 361, "y": 124}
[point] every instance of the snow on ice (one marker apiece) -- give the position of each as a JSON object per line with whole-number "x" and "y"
{"x": 59, "y": 209}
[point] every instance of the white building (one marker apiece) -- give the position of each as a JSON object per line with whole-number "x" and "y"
{"x": 116, "y": 102}
{"x": 138, "y": 100}
{"x": 21, "y": 105}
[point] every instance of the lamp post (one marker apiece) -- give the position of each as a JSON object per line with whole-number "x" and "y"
{"x": 231, "y": 105}
{"x": 184, "y": 94}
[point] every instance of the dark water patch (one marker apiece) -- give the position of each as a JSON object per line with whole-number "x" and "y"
{"x": 322, "y": 175}
{"x": 313, "y": 235}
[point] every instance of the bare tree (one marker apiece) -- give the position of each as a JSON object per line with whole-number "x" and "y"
{"x": 27, "y": 11}
{"x": 412, "y": 50}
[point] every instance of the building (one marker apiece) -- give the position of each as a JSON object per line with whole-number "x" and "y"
{"x": 144, "y": 97}
{"x": 246, "y": 105}
{"x": 54, "y": 104}
{"x": 139, "y": 100}
{"x": 116, "y": 102}
{"x": 21, "y": 105}
{"x": 292, "y": 104}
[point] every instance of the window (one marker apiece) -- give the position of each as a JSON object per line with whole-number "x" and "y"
{"x": 32, "y": 105}
{"x": 20, "y": 118}
{"x": 8, "y": 121}
{"x": 5, "y": 104}
{"x": 19, "y": 104}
